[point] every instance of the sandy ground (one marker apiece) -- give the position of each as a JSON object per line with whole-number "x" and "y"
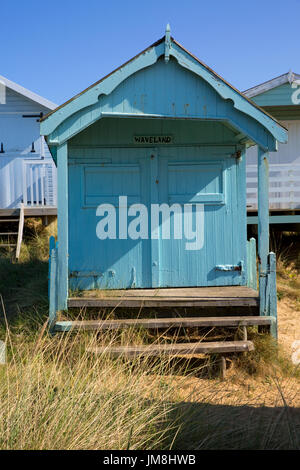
{"x": 288, "y": 325}
{"x": 239, "y": 388}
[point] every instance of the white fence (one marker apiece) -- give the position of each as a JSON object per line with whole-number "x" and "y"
{"x": 284, "y": 186}
{"x": 39, "y": 183}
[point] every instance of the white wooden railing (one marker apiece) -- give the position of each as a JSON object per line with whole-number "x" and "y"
{"x": 284, "y": 186}
{"x": 39, "y": 183}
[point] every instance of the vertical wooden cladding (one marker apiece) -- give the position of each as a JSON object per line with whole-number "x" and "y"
{"x": 162, "y": 91}
{"x": 163, "y": 175}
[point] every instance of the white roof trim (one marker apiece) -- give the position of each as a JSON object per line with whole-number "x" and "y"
{"x": 29, "y": 94}
{"x": 289, "y": 77}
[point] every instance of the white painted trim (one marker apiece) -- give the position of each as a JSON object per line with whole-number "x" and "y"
{"x": 27, "y": 93}
{"x": 269, "y": 85}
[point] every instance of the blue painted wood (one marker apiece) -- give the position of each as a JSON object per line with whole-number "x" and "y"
{"x": 241, "y": 205}
{"x": 282, "y": 95}
{"x": 117, "y": 263}
{"x": 190, "y": 171}
{"x": 167, "y": 43}
{"x": 163, "y": 91}
{"x": 51, "y": 247}
{"x": 62, "y": 226}
{"x": 53, "y": 289}
{"x": 204, "y": 172}
{"x": 99, "y": 162}
{"x": 276, "y": 219}
{"x": 155, "y": 181}
{"x": 251, "y": 264}
{"x": 273, "y": 294}
{"x": 263, "y": 224}
{"x": 91, "y": 105}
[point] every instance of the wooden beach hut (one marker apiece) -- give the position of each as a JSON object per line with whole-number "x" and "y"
{"x": 163, "y": 130}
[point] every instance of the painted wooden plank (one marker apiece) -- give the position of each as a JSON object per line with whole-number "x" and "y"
{"x": 281, "y": 95}
{"x": 273, "y": 294}
{"x": 251, "y": 264}
{"x": 263, "y": 224}
{"x": 158, "y": 323}
{"x": 62, "y": 226}
{"x": 53, "y": 290}
{"x": 176, "y": 349}
{"x": 155, "y": 242}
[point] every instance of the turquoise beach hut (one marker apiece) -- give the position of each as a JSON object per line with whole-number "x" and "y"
{"x": 151, "y": 165}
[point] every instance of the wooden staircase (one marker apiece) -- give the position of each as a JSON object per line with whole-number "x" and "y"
{"x": 11, "y": 232}
{"x": 174, "y": 349}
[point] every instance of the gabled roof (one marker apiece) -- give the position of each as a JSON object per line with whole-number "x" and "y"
{"x": 168, "y": 47}
{"x": 27, "y": 93}
{"x": 289, "y": 77}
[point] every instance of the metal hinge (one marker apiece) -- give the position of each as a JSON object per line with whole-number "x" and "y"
{"x": 230, "y": 267}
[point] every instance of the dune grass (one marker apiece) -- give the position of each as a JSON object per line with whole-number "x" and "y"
{"x": 56, "y": 394}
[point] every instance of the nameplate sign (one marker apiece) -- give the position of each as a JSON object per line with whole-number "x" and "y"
{"x": 153, "y": 139}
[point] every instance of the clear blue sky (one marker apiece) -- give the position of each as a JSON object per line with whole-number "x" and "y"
{"x": 59, "y": 47}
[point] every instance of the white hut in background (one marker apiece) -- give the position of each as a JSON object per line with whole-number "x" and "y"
{"x": 27, "y": 171}
{"x": 280, "y": 97}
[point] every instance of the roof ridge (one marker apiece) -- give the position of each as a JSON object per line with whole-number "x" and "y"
{"x": 27, "y": 93}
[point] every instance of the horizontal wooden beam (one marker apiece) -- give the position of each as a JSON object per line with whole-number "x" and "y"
{"x": 276, "y": 219}
{"x": 29, "y": 211}
{"x": 163, "y": 302}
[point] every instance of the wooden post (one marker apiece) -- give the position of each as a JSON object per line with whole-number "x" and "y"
{"x": 223, "y": 367}
{"x": 51, "y": 246}
{"x": 273, "y": 293}
{"x": 251, "y": 264}
{"x": 263, "y": 224}
{"x": 62, "y": 226}
{"x": 53, "y": 290}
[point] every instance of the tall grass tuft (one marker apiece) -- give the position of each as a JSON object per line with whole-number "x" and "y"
{"x": 55, "y": 394}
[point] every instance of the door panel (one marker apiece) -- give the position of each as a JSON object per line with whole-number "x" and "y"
{"x": 108, "y": 263}
{"x": 190, "y": 176}
{"x": 183, "y": 177}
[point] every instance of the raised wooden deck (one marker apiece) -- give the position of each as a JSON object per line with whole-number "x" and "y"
{"x": 229, "y": 296}
{"x": 30, "y": 211}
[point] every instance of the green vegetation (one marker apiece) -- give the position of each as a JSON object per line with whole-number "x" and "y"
{"x": 57, "y": 394}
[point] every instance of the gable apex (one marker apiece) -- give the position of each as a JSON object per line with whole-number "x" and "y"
{"x": 27, "y": 93}
{"x": 168, "y": 47}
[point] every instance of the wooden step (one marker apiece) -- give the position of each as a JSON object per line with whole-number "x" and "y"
{"x": 8, "y": 233}
{"x": 223, "y": 296}
{"x": 190, "y": 322}
{"x": 18, "y": 234}
{"x": 9, "y": 220}
{"x": 219, "y": 347}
